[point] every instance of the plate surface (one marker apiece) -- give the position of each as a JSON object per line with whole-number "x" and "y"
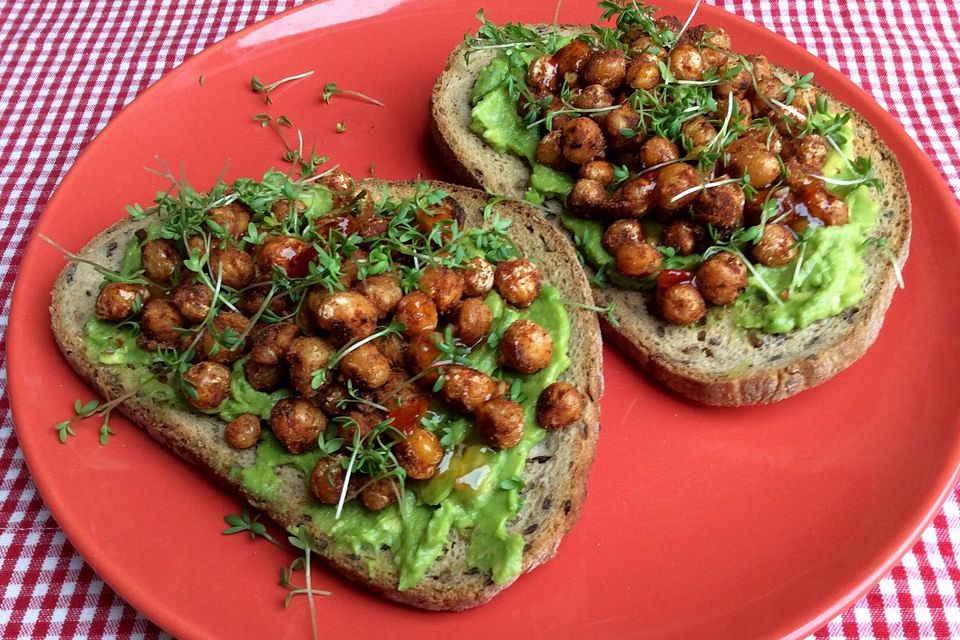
{"x": 757, "y": 522}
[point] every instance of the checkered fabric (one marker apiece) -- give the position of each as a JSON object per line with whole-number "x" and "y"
{"x": 66, "y": 66}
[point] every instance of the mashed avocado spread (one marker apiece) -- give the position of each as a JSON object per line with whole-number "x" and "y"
{"x": 824, "y": 279}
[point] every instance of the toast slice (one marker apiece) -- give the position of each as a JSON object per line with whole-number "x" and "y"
{"x": 555, "y": 474}
{"x": 719, "y": 363}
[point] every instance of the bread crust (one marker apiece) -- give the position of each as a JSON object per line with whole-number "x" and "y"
{"x": 685, "y": 358}
{"x": 555, "y": 487}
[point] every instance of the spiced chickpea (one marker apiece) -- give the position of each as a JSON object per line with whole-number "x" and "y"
{"x": 383, "y": 291}
{"x": 117, "y": 300}
{"x": 232, "y": 218}
{"x": 465, "y": 389}
{"x": 582, "y": 140}
{"x": 621, "y": 232}
{"x": 398, "y": 392}
{"x": 760, "y": 66}
{"x": 587, "y": 198}
{"x": 193, "y": 301}
{"x": 634, "y": 197}
{"x": 243, "y": 431}
{"x": 357, "y": 425}
{"x": 621, "y": 127}
{"x": 550, "y": 151}
{"x": 766, "y": 138}
{"x": 657, "y": 150}
{"x": 518, "y": 281}
{"x": 683, "y": 235}
{"x": 444, "y": 286}
{"x": 500, "y": 423}
{"x": 305, "y": 355}
{"x": 477, "y": 277}
{"x": 417, "y": 312}
{"x": 219, "y": 341}
{"x": 269, "y": 342}
{"x": 761, "y": 165}
{"x": 686, "y": 63}
{"x": 668, "y": 23}
{"x": 526, "y": 347}
{"x": 474, "y": 321}
{"x": 592, "y": 96}
{"x": 681, "y": 304}
{"x": 161, "y": 319}
{"x": 776, "y": 246}
{"x": 740, "y": 113}
{"x": 196, "y": 245}
{"x": 346, "y": 316}
{"x": 722, "y": 278}
{"x": 419, "y": 454}
{"x": 830, "y": 209}
{"x": 570, "y": 59}
{"x": 331, "y": 396}
{"x": 279, "y": 251}
{"x": 543, "y": 73}
{"x": 766, "y": 91}
{"x": 264, "y": 377}
{"x": 643, "y": 73}
{"x": 366, "y": 366}
{"x": 699, "y": 131}
{"x": 233, "y": 266}
{"x": 606, "y": 67}
{"x": 721, "y": 206}
{"x": 442, "y": 213}
{"x": 282, "y": 209}
{"x": 739, "y": 84}
{"x": 599, "y": 170}
{"x": 674, "y": 180}
{"x": 327, "y": 478}
{"x": 638, "y": 260}
{"x": 422, "y": 353}
{"x": 559, "y": 405}
{"x": 159, "y": 259}
{"x": 370, "y": 224}
{"x": 252, "y": 298}
{"x": 350, "y": 268}
{"x": 810, "y": 152}
{"x": 379, "y": 495}
{"x": 297, "y": 423}
{"x": 210, "y": 382}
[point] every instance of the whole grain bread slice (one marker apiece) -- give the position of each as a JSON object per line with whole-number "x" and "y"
{"x": 555, "y": 475}
{"x": 714, "y": 362}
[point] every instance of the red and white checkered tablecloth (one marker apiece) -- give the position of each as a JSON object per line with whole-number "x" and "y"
{"x": 66, "y": 66}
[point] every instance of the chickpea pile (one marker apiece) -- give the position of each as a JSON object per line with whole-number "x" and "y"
{"x": 714, "y": 176}
{"x": 363, "y": 355}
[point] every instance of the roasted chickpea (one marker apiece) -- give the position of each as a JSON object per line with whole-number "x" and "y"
{"x": 643, "y": 73}
{"x": 338, "y": 181}
{"x": 161, "y": 319}
{"x": 327, "y": 478}
{"x": 211, "y": 383}
{"x": 738, "y": 85}
{"x": 442, "y": 213}
{"x": 587, "y": 198}
{"x": 217, "y": 341}
{"x": 196, "y": 245}
{"x": 598, "y": 170}
{"x": 621, "y": 127}
{"x": 657, "y": 150}
{"x": 370, "y": 225}
{"x": 281, "y": 209}
{"x": 518, "y": 281}
{"x": 638, "y": 260}
{"x": 559, "y": 405}
{"x": 760, "y": 66}
{"x": 722, "y": 278}
{"x": 366, "y": 366}
{"x": 686, "y": 63}
{"x": 350, "y": 268}
{"x": 417, "y": 312}
{"x": 269, "y": 342}
{"x": 766, "y": 138}
{"x": 159, "y": 258}
{"x": 810, "y": 152}
{"x": 474, "y": 321}
{"x": 543, "y": 73}
{"x": 668, "y": 23}
{"x": 398, "y": 392}
{"x": 264, "y": 377}
{"x": 233, "y": 218}
{"x": 383, "y": 291}
{"x": 594, "y": 96}
{"x": 347, "y": 316}
{"x": 477, "y": 277}
{"x": 699, "y": 131}
{"x": 297, "y": 423}
{"x": 550, "y": 151}
{"x": 280, "y": 251}
{"x": 721, "y": 206}
{"x": 740, "y": 113}
{"x": 500, "y": 423}
{"x": 465, "y": 389}
{"x": 683, "y": 235}
{"x": 606, "y": 67}
{"x": 681, "y": 304}
{"x": 570, "y": 59}
{"x": 582, "y": 140}
{"x": 419, "y": 454}
{"x": 379, "y": 495}
{"x": 306, "y": 354}
{"x": 444, "y": 286}
{"x": 634, "y": 197}
{"x": 526, "y": 347}
{"x": 116, "y": 301}
{"x": 422, "y": 353}
{"x": 769, "y": 89}
{"x": 622, "y": 232}
{"x": 329, "y": 397}
{"x": 243, "y": 431}
{"x": 252, "y": 298}
{"x": 234, "y": 266}
{"x": 672, "y": 180}
{"x": 354, "y": 424}
{"x": 776, "y": 246}
{"x": 822, "y": 204}
{"x": 193, "y": 301}
{"x": 762, "y": 166}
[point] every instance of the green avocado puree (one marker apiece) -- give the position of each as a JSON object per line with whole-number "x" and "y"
{"x": 830, "y": 273}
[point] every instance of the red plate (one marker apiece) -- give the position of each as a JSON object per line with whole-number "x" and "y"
{"x": 701, "y": 522}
